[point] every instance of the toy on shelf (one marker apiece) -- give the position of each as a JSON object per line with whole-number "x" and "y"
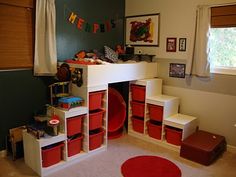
{"x": 120, "y": 49}
{"x": 70, "y": 102}
{"x": 57, "y": 91}
{"x": 44, "y": 124}
{"x": 53, "y": 125}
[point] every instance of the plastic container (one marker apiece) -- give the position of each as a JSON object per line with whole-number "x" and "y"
{"x": 173, "y": 135}
{"x": 138, "y": 93}
{"x": 51, "y": 154}
{"x": 137, "y": 109}
{"x": 138, "y": 124}
{"x": 74, "y": 125}
{"x": 95, "y": 100}
{"x": 96, "y": 138}
{"x": 74, "y": 145}
{"x": 154, "y": 129}
{"x": 96, "y": 119}
{"x": 155, "y": 112}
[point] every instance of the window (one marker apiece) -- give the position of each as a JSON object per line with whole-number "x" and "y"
{"x": 222, "y": 40}
{"x": 222, "y": 54}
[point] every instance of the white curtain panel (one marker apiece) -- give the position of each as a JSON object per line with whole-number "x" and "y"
{"x": 45, "y": 57}
{"x": 199, "y": 64}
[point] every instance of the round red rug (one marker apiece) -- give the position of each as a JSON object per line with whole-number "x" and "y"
{"x": 149, "y": 166}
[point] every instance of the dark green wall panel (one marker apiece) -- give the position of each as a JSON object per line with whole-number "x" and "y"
{"x": 70, "y": 39}
{"x": 21, "y": 95}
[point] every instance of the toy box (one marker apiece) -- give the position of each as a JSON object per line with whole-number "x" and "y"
{"x": 70, "y": 102}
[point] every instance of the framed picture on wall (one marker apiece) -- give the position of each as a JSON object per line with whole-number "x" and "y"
{"x": 177, "y": 70}
{"x": 142, "y": 30}
{"x": 171, "y": 44}
{"x": 182, "y": 44}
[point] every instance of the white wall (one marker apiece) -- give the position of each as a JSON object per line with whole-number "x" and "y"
{"x": 215, "y": 112}
{"x": 177, "y": 19}
{"x": 215, "y": 109}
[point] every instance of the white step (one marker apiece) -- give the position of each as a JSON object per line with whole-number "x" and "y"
{"x": 185, "y": 122}
{"x": 170, "y": 104}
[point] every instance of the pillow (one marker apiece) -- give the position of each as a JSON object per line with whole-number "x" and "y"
{"x": 110, "y": 54}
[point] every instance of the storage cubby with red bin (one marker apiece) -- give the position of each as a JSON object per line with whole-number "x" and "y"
{"x": 138, "y": 92}
{"x": 155, "y": 112}
{"x": 173, "y": 135}
{"x": 96, "y": 100}
{"x": 138, "y": 124}
{"x": 96, "y": 119}
{"x": 74, "y": 144}
{"x": 138, "y": 109}
{"x": 154, "y": 129}
{"x": 74, "y": 125}
{"x": 96, "y": 138}
{"x": 52, "y": 154}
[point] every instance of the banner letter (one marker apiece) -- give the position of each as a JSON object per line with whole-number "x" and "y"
{"x": 88, "y": 27}
{"x": 95, "y": 27}
{"x": 80, "y": 23}
{"x": 72, "y": 17}
{"x": 102, "y": 28}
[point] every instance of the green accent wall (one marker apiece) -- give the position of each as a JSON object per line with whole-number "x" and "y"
{"x": 22, "y": 94}
{"x": 70, "y": 39}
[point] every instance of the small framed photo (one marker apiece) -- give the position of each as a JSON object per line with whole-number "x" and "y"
{"x": 177, "y": 70}
{"x": 171, "y": 44}
{"x": 182, "y": 44}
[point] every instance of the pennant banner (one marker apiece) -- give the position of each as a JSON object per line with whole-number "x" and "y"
{"x": 82, "y": 24}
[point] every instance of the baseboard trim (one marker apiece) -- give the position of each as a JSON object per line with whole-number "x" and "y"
{"x": 231, "y": 148}
{"x": 3, "y": 153}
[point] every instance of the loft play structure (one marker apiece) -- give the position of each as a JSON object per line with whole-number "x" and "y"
{"x": 84, "y": 130}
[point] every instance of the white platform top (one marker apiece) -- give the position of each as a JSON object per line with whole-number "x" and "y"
{"x": 81, "y": 109}
{"x": 94, "y": 75}
{"x": 161, "y": 98}
{"x": 180, "y": 119}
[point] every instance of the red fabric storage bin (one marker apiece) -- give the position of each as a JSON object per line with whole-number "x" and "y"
{"x": 96, "y": 138}
{"x": 96, "y": 119}
{"x": 51, "y": 155}
{"x": 74, "y": 146}
{"x": 138, "y": 109}
{"x": 138, "y": 93}
{"x": 173, "y": 135}
{"x": 74, "y": 125}
{"x": 95, "y": 100}
{"x": 155, "y": 112}
{"x": 154, "y": 129}
{"x": 138, "y": 124}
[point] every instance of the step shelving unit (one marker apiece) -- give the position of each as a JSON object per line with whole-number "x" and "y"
{"x": 168, "y": 109}
{"x": 33, "y": 147}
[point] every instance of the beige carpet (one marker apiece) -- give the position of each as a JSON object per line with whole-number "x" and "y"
{"x": 108, "y": 163}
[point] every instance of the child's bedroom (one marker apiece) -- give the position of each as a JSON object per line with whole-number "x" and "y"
{"x": 117, "y": 88}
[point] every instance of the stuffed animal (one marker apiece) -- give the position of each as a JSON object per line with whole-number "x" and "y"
{"x": 119, "y": 49}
